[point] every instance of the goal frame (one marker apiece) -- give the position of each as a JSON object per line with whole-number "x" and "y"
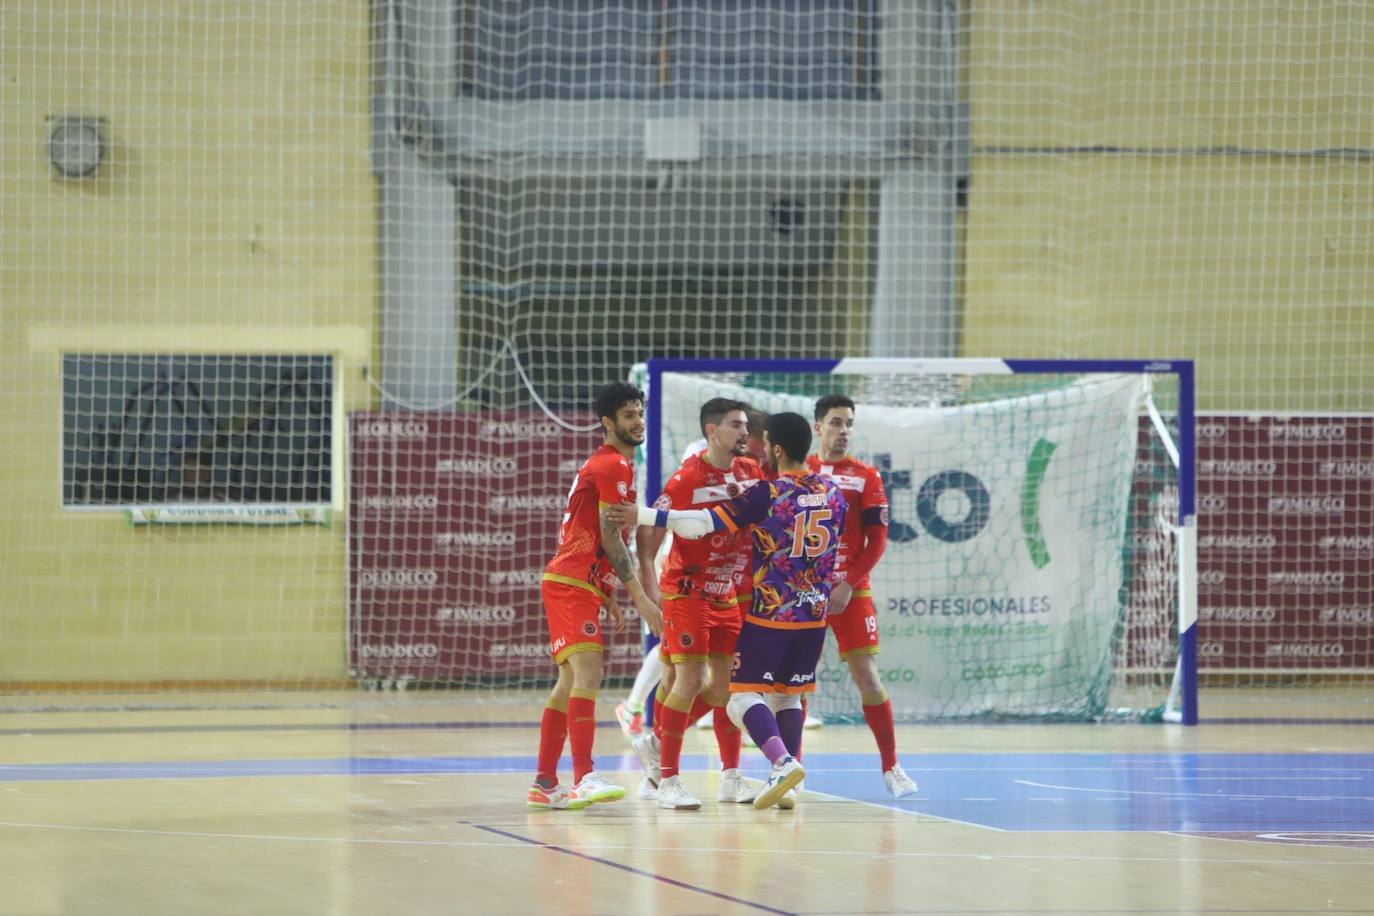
{"x": 1185, "y": 681}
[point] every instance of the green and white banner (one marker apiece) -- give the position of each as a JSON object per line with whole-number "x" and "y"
{"x": 1001, "y": 588}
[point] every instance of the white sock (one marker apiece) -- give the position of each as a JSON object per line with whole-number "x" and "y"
{"x": 650, "y": 673}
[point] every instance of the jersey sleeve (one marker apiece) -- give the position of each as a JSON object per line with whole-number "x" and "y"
{"x": 678, "y": 492}
{"x": 612, "y": 481}
{"x": 874, "y": 501}
{"x": 749, "y": 508}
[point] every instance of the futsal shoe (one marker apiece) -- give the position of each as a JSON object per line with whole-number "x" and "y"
{"x": 631, "y": 723}
{"x": 672, "y": 794}
{"x": 648, "y": 788}
{"x": 595, "y": 789}
{"x": 559, "y": 798}
{"x": 788, "y": 800}
{"x": 787, "y": 772}
{"x": 738, "y": 788}
{"x": 813, "y": 721}
{"x": 646, "y": 752}
{"x": 898, "y": 783}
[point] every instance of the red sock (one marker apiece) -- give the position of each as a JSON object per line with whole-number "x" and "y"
{"x": 728, "y": 737}
{"x": 581, "y": 734}
{"x": 675, "y": 722}
{"x": 553, "y": 731}
{"x": 699, "y": 708}
{"x": 879, "y": 720}
{"x": 658, "y": 718}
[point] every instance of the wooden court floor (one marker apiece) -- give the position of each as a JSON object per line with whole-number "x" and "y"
{"x": 303, "y": 804}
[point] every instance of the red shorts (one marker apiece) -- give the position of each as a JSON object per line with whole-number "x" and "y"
{"x": 574, "y": 617}
{"x": 856, "y": 630}
{"x": 695, "y": 629}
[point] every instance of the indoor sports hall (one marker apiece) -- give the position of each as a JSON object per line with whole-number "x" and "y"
{"x": 306, "y": 308}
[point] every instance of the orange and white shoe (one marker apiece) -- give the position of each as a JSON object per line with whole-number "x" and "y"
{"x": 559, "y": 798}
{"x": 631, "y": 723}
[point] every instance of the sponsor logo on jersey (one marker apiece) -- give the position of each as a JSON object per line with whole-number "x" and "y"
{"x": 477, "y": 466}
{"x": 844, "y": 481}
{"x": 399, "y": 650}
{"x": 480, "y": 613}
{"x": 719, "y": 492}
{"x": 392, "y": 429}
{"x": 398, "y": 578}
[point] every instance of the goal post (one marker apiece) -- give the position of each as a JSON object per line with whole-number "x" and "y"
{"x": 1042, "y": 554}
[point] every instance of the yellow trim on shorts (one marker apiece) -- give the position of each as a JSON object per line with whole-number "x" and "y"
{"x": 862, "y": 593}
{"x": 861, "y": 650}
{"x": 575, "y": 583}
{"x": 575, "y": 649}
{"x": 679, "y": 659}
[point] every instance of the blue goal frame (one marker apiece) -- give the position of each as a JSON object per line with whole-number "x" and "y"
{"x": 1187, "y": 454}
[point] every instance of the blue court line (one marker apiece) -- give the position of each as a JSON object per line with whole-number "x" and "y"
{"x": 634, "y": 871}
{"x": 1022, "y": 792}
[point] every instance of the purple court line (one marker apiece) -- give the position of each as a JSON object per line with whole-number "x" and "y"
{"x": 1236, "y": 720}
{"x": 285, "y": 727}
{"x": 633, "y": 871}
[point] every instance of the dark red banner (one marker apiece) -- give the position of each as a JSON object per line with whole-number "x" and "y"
{"x": 451, "y": 520}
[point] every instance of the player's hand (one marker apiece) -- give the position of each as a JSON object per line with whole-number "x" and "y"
{"x": 652, "y": 591}
{"x": 840, "y": 594}
{"x": 651, "y": 615}
{"x": 625, "y": 515}
{"x": 614, "y": 615}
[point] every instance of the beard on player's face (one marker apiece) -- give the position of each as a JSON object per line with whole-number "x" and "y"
{"x": 629, "y": 433}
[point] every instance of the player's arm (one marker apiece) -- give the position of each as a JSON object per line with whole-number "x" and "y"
{"x": 648, "y": 542}
{"x": 873, "y": 520}
{"x": 619, "y": 556}
{"x": 744, "y": 510}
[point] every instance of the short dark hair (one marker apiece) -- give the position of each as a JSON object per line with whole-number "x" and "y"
{"x": 792, "y": 432}
{"x": 714, "y": 410}
{"x": 758, "y": 422}
{"x": 830, "y": 402}
{"x": 615, "y": 396}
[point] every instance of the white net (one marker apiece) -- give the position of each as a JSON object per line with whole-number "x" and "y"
{"x": 472, "y": 215}
{"x": 1032, "y": 567}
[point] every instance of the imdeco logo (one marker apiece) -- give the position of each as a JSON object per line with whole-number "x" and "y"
{"x": 1304, "y": 650}
{"x": 1306, "y": 505}
{"x": 477, "y": 466}
{"x": 1347, "y": 470}
{"x": 481, "y": 540}
{"x": 1330, "y": 432}
{"x": 1212, "y": 578}
{"x": 518, "y": 650}
{"x": 400, "y": 650}
{"x": 398, "y": 578}
{"x": 1348, "y": 545}
{"x": 404, "y": 503}
{"x": 522, "y": 577}
{"x": 1240, "y": 614}
{"x": 1306, "y": 581}
{"x": 569, "y": 467}
{"x": 1237, "y": 542}
{"x": 392, "y": 429}
{"x": 497, "y": 430}
{"x": 525, "y": 502}
{"x": 1223, "y": 467}
{"x": 480, "y": 613}
{"x": 1360, "y": 615}
{"x": 1211, "y": 431}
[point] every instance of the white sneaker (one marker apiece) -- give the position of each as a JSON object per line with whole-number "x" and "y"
{"x": 672, "y": 794}
{"x": 898, "y": 783}
{"x": 738, "y": 788}
{"x": 648, "y": 788}
{"x": 813, "y": 721}
{"x": 646, "y": 752}
{"x": 787, "y": 772}
{"x": 788, "y": 800}
{"x": 594, "y": 788}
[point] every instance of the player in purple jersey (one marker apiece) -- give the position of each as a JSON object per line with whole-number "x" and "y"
{"x": 795, "y": 523}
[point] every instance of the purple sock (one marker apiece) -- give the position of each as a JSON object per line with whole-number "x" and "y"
{"x": 790, "y": 724}
{"x": 763, "y": 728}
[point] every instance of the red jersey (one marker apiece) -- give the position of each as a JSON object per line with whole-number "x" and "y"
{"x": 606, "y": 478}
{"x": 866, "y": 503}
{"x": 708, "y": 566}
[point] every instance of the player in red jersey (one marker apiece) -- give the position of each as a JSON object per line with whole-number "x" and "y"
{"x": 578, "y": 582}
{"x": 852, "y": 617}
{"x": 701, "y": 610}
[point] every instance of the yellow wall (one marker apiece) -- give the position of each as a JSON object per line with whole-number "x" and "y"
{"x": 236, "y": 212}
{"x": 1259, "y": 267}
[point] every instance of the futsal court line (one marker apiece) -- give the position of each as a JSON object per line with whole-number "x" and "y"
{"x": 1208, "y": 795}
{"x": 1181, "y": 860}
{"x": 636, "y": 871}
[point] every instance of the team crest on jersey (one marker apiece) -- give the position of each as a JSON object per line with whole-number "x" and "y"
{"x": 663, "y": 502}
{"x": 733, "y": 489}
{"x": 622, "y": 488}
{"x": 589, "y": 628}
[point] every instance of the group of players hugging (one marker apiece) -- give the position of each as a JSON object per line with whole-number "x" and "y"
{"x": 770, "y": 549}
